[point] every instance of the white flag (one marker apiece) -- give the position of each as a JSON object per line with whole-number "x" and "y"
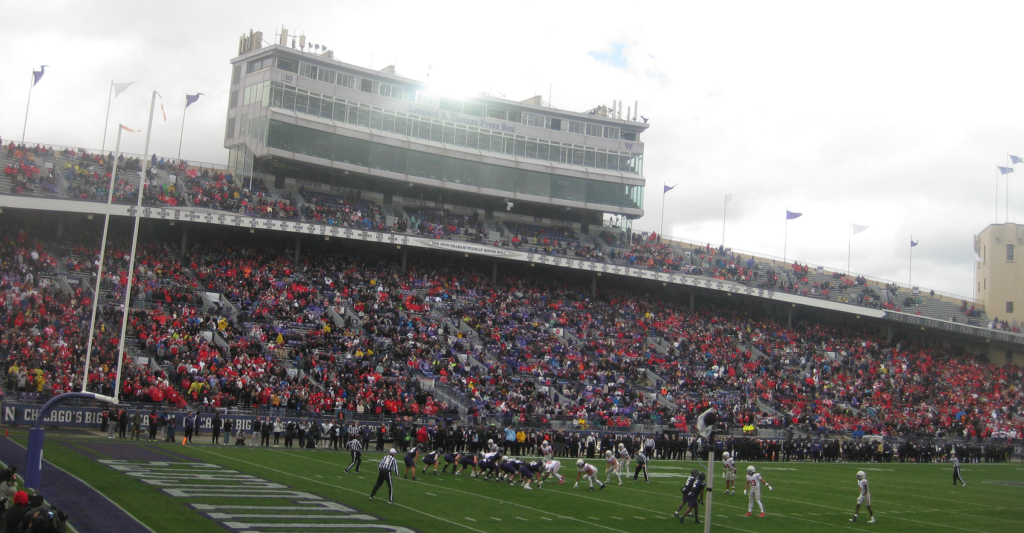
{"x": 977, "y": 258}
{"x": 121, "y": 87}
{"x": 857, "y": 228}
{"x": 728, "y": 198}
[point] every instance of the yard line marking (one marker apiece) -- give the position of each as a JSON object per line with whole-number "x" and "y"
{"x": 617, "y": 518}
{"x": 303, "y": 456}
{"x": 521, "y": 518}
{"x": 429, "y": 494}
{"x": 328, "y": 484}
{"x": 638, "y": 517}
{"x": 470, "y": 519}
{"x": 592, "y": 518}
{"x": 498, "y": 519}
{"x": 545, "y": 518}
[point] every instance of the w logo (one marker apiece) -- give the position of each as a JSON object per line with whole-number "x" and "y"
{"x": 629, "y": 146}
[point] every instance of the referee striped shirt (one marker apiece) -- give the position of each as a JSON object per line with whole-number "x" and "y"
{"x": 956, "y": 462}
{"x": 355, "y": 445}
{"x": 388, "y": 464}
{"x": 641, "y": 458}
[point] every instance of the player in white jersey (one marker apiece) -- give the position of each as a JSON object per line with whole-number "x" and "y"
{"x": 956, "y": 470}
{"x": 546, "y": 451}
{"x": 551, "y": 469}
{"x": 588, "y": 471}
{"x": 611, "y": 467}
{"x": 754, "y": 482}
{"x": 491, "y": 446}
{"x": 729, "y": 474}
{"x": 864, "y": 498}
{"x": 623, "y": 456}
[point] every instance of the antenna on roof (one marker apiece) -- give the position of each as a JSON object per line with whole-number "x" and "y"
{"x": 429, "y": 68}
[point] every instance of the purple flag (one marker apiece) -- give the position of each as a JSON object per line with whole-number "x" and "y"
{"x": 913, "y": 243}
{"x": 191, "y": 99}
{"x": 1005, "y": 170}
{"x": 1014, "y": 159}
{"x": 38, "y": 74}
{"x": 670, "y": 187}
{"x": 790, "y": 215}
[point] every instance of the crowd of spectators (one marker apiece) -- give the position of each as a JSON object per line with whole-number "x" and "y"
{"x": 346, "y": 333}
{"x": 337, "y": 210}
{"x": 443, "y": 223}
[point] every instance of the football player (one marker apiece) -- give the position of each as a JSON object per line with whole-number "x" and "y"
{"x": 686, "y": 491}
{"x": 622, "y": 454}
{"x": 588, "y": 471}
{"x": 551, "y": 469}
{"x": 546, "y": 451}
{"x": 754, "y": 482}
{"x": 451, "y": 459}
{"x": 693, "y": 496}
{"x": 471, "y": 460}
{"x": 410, "y": 463}
{"x": 611, "y": 467}
{"x": 864, "y": 497}
{"x": 730, "y": 473}
{"x": 530, "y": 472}
{"x": 430, "y": 459}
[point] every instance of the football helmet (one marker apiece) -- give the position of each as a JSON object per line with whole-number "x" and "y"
{"x": 751, "y": 469}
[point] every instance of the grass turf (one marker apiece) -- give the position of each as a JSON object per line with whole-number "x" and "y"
{"x": 807, "y": 497}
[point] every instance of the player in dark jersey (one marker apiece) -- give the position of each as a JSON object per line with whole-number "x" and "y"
{"x": 410, "y": 463}
{"x": 694, "y": 495}
{"x": 489, "y": 464}
{"x": 509, "y": 469}
{"x": 470, "y": 460}
{"x": 430, "y": 459}
{"x": 686, "y": 491}
{"x": 451, "y": 459}
{"x": 530, "y": 472}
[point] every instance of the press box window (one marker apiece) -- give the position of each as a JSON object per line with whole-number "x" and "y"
{"x": 1009, "y": 252}
{"x": 1009, "y": 307}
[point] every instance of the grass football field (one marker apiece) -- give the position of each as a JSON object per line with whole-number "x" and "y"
{"x": 200, "y": 488}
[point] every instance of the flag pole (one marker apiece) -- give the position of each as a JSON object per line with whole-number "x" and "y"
{"x": 996, "y": 193}
{"x": 27, "y": 106}
{"x": 910, "y": 274}
{"x": 106, "y": 122}
{"x": 725, "y": 210}
{"x": 785, "y": 240}
{"x": 849, "y": 245}
{"x": 182, "y": 134}
{"x": 663, "y": 194}
{"x": 99, "y": 271}
{"x": 1006, "y": 217}
{"x": 135, "y": 242}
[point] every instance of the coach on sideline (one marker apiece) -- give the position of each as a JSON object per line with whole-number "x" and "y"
{"x": 384, "y": 469}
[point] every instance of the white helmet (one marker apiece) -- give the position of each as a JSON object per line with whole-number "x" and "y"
{"x": 580, "y": 463}
{"x": 725, "y": 455}
{"x": 861, "y": 474}
{"x": 608, "y": 453}
{"x": 751, "y": 469}
{"x": 545, "y": 441}
{"x": 622, "y": 446}
{"x": 490, "y": 441}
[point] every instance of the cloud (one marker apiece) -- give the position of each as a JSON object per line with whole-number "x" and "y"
{"x": 631, "y": 57}
{"x": 613, "y": 55}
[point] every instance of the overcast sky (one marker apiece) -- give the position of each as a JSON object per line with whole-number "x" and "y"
{"x": 887, "y": 114}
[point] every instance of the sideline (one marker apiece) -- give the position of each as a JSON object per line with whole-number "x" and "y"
{"x": 87, "y": 507}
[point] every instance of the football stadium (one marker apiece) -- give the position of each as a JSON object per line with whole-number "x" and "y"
{"x": 396, "y": 310}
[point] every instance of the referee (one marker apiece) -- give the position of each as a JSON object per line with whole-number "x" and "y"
{"x": 356, "y": 447}
{"x": 641, "y": 466}
{"x": 384, "y": 469}
{"x": 956, "y": 470}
